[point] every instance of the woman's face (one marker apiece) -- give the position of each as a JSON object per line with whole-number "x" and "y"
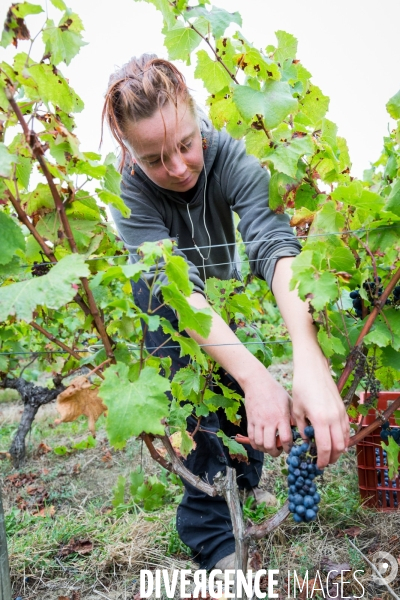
{"x": 168, "y": 147}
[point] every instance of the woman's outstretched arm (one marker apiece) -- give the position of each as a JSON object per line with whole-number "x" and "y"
{"x": 315, "y": 394}
{"x": 267, "y": 403}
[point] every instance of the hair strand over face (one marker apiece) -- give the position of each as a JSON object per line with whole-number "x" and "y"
{"x": 137, "y": 90}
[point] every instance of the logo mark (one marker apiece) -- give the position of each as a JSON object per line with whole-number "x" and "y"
{"x": 387, "y": 566}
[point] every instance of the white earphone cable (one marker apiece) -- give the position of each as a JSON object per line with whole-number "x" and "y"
{"x": 204, "y": 258}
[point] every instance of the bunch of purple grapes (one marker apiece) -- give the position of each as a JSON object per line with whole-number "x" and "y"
{"x": 388, "y": 432}
{"x": 302, "y": 466}
{"x": 374, "y": 292}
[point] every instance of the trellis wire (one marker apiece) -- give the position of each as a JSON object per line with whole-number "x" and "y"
{"x": 311, "y": 235}
{"x": 92, "y": 349}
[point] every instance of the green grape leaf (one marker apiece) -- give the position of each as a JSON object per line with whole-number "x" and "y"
{"x": 151, "y": 493}
{"x": 318, "y": 288}
{"x": 286, "y": 156}
{"x": 393, "y": 455}
{"x": 329, "y": 135}
{"x": 230, "y": 405}
{"x": 112, "y": 178}
{"x": 134, "y": 407}
{"x": 152, "y": 321}
{"x": 275, "y": 102}
{"x": 180, "y": 42}
{"x": 60, "y": 4}
{"x": 185, "y": 381}
{"x": 306, "y": 198}
{"x": 381, "y": 335}
{"x": 62, "y": 43}
{"x": 277, "y": 188}
{"x": 179, "y": 413}
{"x": 6, "y": 161}
{"x": 23, "y": 170}
{"x": 223, "y": 113}
{"x": 393, "y": 106}
{"x": 14, "y": 27}
{"x": 23, "y": 9}
{"x": 212, "y": 73}
{"x": 393, "y": 201}
{"x": 328, "y": 219}
{"x": 165, "y": 7}
{"x": 41, "y": 197}
{"x": 190, "y": 347}
{"x": 133, "y": 271}
{"x": 342, "y": 259}
{"x": 115, "y": 200}
{"x": 137, "y": 479}
{"x": 287, "y": 46}
{"x": 119, "y": 492}
{"x": 330, "y": 345}
{"x": 177, "y": 271}
{"x": 12, "y": 238}
{"x": 189, "y": 317}
{"x": 235, "y": 449}
{"x": 240, "y": 303}
{"x": 187, "y": 442}
{"x": 257, "y": 144}
{"x": 391, "y": 358}
{"x": 314, "y": 104}
{"x": 218, "y": 18}
{"x": 254, "y": 63}
{"x": 356, "y": 195}
{"x": 54, "y": 88}
{"x": 52, "y": 290}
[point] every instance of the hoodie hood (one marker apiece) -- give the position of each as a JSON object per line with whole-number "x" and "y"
{"x": 210, "y": 137}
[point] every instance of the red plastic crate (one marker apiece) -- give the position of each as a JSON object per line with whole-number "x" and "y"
{"x": 376, "y": 489}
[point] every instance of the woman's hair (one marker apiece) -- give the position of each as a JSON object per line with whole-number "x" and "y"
{"x": 137, "y": 90}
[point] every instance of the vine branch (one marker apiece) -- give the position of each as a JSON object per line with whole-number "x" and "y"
{"x": 38, "y": 153}
{"x": 351, "y": 359}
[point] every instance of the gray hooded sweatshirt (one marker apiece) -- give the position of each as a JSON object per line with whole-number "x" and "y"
{"x": 235, "y": 183}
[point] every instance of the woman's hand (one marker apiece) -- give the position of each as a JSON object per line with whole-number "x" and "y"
{"x": 267, "y": 403}
{"x": 315, "y": 397}
{"x": 268, "y": 411}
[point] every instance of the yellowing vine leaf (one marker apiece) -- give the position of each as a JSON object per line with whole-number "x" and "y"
{"x": 80, "y": 398}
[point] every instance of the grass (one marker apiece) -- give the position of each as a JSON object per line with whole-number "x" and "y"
{"x": 9, "y": 396}
{"x": 80, "y": 487}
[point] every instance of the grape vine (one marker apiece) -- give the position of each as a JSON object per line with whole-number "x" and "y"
{"x": 65, "y": 277}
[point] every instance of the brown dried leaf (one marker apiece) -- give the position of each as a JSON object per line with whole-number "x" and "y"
{"x": 328, "y": 565}
{"x": 351, "y": 531}
{"x": 301, "y": 219}
{"x": 76, "y": 546}
{"x": 16, "y": 25}
{"x": 107, "y": 456}
{"x": 47, "y": 511}
{"x": 79, "y": 399}
{"x": 255, "y": 561}
{"x": 20, "y": 479}
{"x": 43, "y": 448}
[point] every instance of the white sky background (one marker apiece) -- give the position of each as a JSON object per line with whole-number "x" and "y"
{"x": 351, "y": 47}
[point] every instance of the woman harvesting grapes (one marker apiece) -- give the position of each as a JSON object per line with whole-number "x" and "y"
{"x": 183, "y": 180}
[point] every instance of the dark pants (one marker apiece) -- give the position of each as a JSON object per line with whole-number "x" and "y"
{"x": 203, "y": 522}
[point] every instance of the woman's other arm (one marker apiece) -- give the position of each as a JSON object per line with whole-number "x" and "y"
{"x": 267, "y": 403}
{"x": 315, "y": 394}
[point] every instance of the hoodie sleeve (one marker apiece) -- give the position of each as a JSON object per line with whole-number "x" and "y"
{"x": 267, "y": 235}
{"x": 146, "y": 223}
